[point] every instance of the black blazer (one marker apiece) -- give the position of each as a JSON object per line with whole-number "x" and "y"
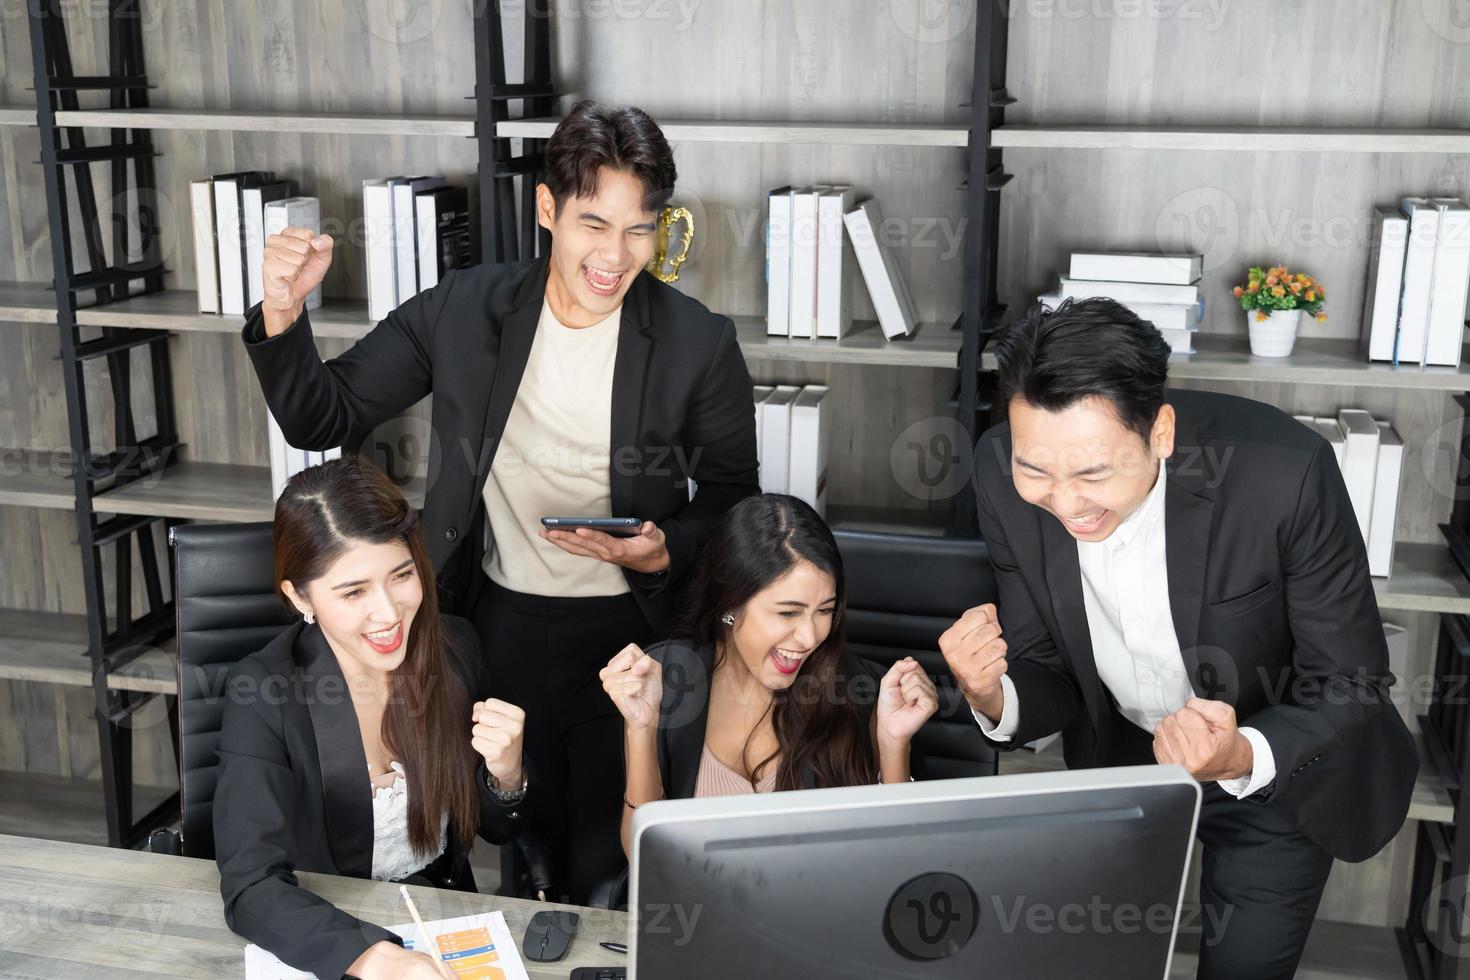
{"x": 1272, "y": 605}
{"x": 684, "y": 710}
{"x": 680, "y": 391}
{"x": 294, "y": 795}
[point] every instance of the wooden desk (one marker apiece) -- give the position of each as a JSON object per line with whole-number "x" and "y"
{"x": 79, "y": 911}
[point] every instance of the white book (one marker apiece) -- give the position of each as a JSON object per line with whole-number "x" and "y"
{"x": 405, "y": 230}
{"x": 886, "y": 285}
{"x": 1306, "y": 420}
{"x": 231, "y": 247}
{"x": 1360, "y": 462}
{"x": 810, "y": 424}
{"x": 775, "y": 438}
{"x": 252, "y": 218}
{"x": 1385, "y": 282}
{"x": 834, "y": 264}
{"x": 443, "y": 215}
{"x": 1413, "y": 332}
{"x": 1331, "y": 430}
{"x": 758, "y": 395}
{"x": 206, "y": 248}
{"x": 1129, "y": 292}
{"x": 804, "y": 233}
{"x": 1451, "y": 279}
{"x": 1172, "y": 270}
{"x": 1180, "y": 341}
{"x": 1385, "y": 507}
{"x": 382, "y": 272}
{"x": 281, "y": 470}
{"x": 778, "y": 263}
{"x": 296, "y": 212}
{"x": 1165, "y": 316}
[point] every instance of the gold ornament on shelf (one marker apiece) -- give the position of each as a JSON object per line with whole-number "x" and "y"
{"x": 670, "y": 217}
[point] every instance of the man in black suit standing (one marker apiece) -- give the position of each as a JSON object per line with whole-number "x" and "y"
{"x": 1181, "y": 580}
{"x": 573, "y": 386}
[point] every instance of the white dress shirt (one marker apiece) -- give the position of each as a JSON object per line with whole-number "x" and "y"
{"x": 1125, "y": 591}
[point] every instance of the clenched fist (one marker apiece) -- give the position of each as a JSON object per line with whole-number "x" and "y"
{"x": 497, "y": 733}
{"x": 906, "y": 699}
{"x": 635, "y": 682}
{"x": 977, "y": 656}
{"x": 296, "y": 261}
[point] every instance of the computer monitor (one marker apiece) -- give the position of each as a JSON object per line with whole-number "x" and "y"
{"x": 1040, "y": 875}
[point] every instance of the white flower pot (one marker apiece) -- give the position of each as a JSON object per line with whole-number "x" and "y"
{"x": 1275, "y": 335}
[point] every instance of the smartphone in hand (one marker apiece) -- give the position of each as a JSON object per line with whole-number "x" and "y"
{"x": 618, "y": 527}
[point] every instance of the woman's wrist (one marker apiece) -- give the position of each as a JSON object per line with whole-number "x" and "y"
{"x": 893, "y": 758}
{"x": 369, "y": 966}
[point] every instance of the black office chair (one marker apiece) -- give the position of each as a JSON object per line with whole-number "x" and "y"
{"x": 228, "y": 607}
{"x": 903, "y": 590}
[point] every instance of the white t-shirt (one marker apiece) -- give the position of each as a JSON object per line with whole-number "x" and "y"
{"x": 553, "y": 461}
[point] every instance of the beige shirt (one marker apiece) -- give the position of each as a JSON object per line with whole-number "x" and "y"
{"x": 553, "y": 461}
{"x": 717, "y": 779}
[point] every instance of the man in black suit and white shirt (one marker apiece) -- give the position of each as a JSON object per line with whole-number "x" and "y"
{"x": 1182, "y": 580}
{"x": 573, "y": 386}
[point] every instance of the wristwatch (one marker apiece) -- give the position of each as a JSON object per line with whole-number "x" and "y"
{"x": 505, "y": 795}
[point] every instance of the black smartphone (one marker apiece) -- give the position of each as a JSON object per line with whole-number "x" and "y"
{"x": 600, "y": 973}
{"x": 618, "y": 527}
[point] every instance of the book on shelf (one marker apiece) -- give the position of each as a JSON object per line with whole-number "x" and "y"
{"x": 1449, "y": 282}
{"x": 758, "y": 396}
{"x": 1168, "y": 270}
{"x": 1384, "y": 509}
{"x": 1385, "y": 282}
{"x": 1331, "y": 430}
{"x": 1179, "y": 341}
{"x": 230, "y": 235}
{"x": 1413, "y": 330}
{"x": 1130, "y": 292}
{"x": 807, "y": 463}
{"x": 804, "y": 235}
{"x": 880, "y": 270}
{"x": 296, "y": 212}
{"x": 405, "y": 231}
{"x": 775, "y": 438}
{"x": 382, "y": 267}
{"x": 1165, "y": 316}
{"x": 1360, "y": 462}
{"x": 778, "y": 262}
{"x": 206, "y": 246}
{"x": 253, "y": 201}
{"x": 834, "y": 263}
{"x": 444, "y": 238}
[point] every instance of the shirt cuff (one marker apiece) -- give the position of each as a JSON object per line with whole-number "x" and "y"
{"x": 1263, "y": 768}
{"x": 1004, "y": 729}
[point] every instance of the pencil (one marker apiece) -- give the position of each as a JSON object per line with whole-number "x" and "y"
{"x": 418, "y": 920}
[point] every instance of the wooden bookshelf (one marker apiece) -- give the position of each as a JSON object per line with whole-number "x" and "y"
{"x": 22, "y": 302}
{"x": 51, "y": 648}
{"x": 17, "y": 115}
{"x": 1246, "y": 139}
{"x": 340, "y": 124}
{"x": 34, "y": 478}
{"x": 754, "y": 131}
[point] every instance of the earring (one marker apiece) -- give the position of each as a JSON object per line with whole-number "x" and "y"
{"x": 728, "y": 619}
{"x": 310, "y": 618}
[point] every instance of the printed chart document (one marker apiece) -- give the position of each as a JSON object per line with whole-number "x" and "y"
{"x": 475, "y": 947}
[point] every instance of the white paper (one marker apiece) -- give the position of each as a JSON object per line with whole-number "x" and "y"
{"x": 467, "y": 951}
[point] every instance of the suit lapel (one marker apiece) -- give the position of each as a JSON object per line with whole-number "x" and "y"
{"x": 517, "y": 330}
{"x": 685, "y": 739}
{"x": 630, "y": 365}
{"x": 1064, "y": 580}
{"x": 1188, "y": 516}
{"x": 346, "y": 790}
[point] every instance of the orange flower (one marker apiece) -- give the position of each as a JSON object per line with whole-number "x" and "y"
{"x": 1261, "y": 315}
{"x": 1253, "y": 288}
{"x": 1311, "y": 296}
{"x": 1272, "y": 280}
{"x": 1277, "y": 291}
{"x": 1238, "y": 291}
{"x": 1321, "y": 317}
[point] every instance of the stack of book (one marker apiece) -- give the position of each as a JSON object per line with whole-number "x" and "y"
{"x": 809, "y": 264}
{"x": 287, "y": 460}
{"x": 232, "y": 215}
{"x": 1418, "y": 277}
{"x": 417, "y": 229}
{"x": 1371, "y": 456}
{"x": 791, "y": 437}
{"x": 1162, "y": 289}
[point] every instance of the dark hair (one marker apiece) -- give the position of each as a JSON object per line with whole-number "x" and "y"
{"x": 1084, "y": 348}
{"x": 624, "y": 138}
{"x": 323, "y": 512}
{"x": 757, "y": 542}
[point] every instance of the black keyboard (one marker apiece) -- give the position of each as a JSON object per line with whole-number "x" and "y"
{"x": 600, "y": 973}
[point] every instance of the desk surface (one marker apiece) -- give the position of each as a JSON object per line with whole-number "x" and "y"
{"x": 76, "y": 911}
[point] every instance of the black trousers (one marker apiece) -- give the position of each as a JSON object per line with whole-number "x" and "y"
{"x": 1261, "y": 883}
{"x": 544, "y": 654}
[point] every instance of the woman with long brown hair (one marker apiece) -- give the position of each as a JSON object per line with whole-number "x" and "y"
{"x": 755, "y": 692}
{"x": 362, "y": 741}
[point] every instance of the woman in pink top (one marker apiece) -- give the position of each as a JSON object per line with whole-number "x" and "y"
{"x": 755, "y": 692}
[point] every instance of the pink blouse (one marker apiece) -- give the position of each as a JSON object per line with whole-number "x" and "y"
{"x": 717, "y": 779}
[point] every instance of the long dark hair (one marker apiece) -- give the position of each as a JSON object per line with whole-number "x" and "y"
{"x": 327, "y": 509}
{"x": 817, "y": 726}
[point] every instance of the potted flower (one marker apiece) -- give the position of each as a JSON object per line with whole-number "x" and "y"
{"x": 1274, "y": 300}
